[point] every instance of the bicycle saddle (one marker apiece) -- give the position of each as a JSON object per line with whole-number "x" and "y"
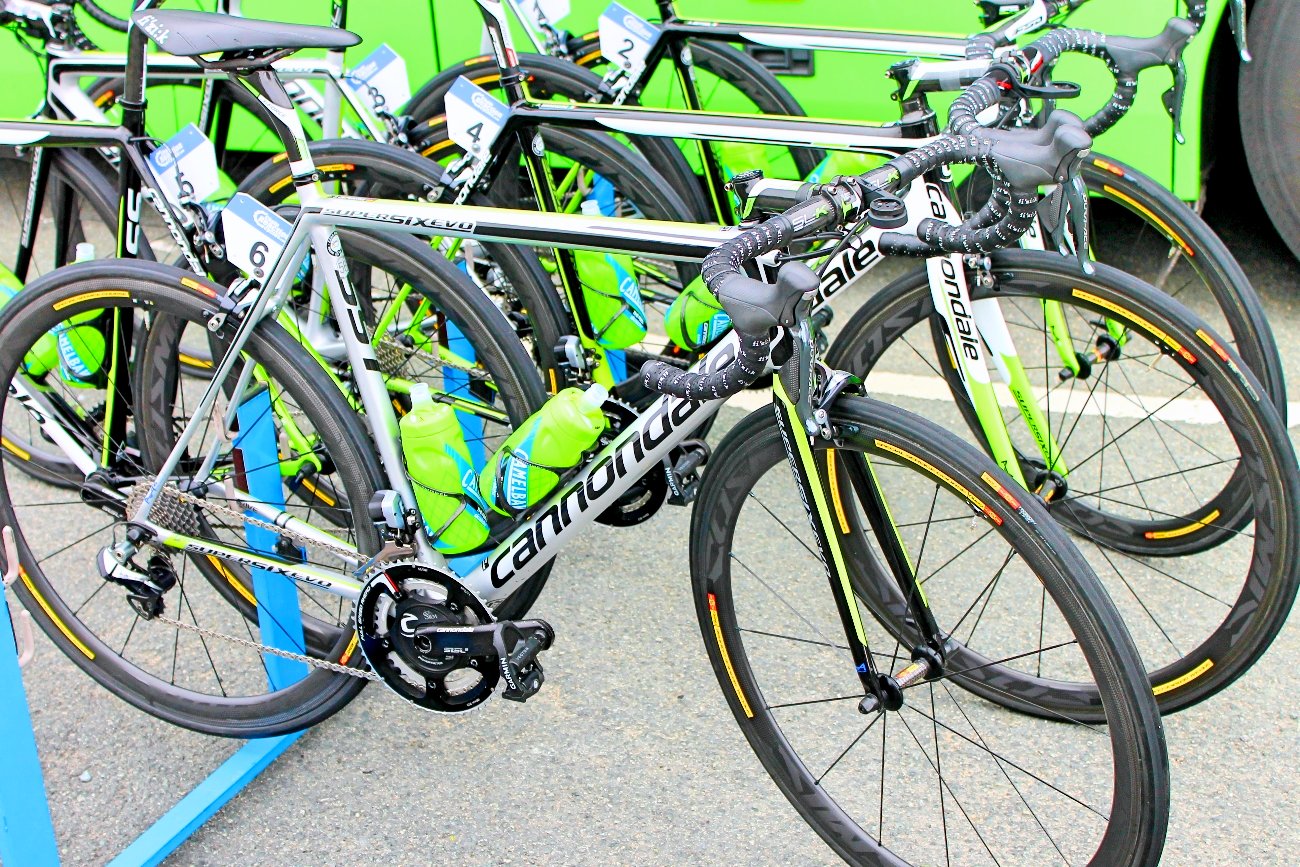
{"x": 186, "y": 34}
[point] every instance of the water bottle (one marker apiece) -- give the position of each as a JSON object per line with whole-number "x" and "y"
{"x": 438, "y": 464}
{"x": 695, "y": 318}
{"x": 82, "y": 341}
{"x": 530, "y": 462}
{"x": 612, "y": 292}
{"x": 44, "y": 356}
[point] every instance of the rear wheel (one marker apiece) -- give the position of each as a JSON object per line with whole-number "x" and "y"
{"x": 947, "y": 777}
{"x": 185, "y": 676}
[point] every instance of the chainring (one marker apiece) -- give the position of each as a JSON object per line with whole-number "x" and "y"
{"x": 395, "y": 599}
{"x": 647, "y": 494}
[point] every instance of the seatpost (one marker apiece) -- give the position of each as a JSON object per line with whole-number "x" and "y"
{"x": 333, "y": 121}
{"x": 132, "y": 101}
{"x": 666, "y": 10}
{"x": 498, "y": 29}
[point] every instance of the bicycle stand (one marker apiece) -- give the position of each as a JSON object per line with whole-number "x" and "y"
{"x": 26, "y": 831}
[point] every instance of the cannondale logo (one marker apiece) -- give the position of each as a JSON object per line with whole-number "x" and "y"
{"x": 639, "y": 27}
{"x": 268, "y": 223}
{"x": 487, "y": 105}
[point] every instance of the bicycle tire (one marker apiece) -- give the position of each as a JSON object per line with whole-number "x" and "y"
{"x": 163, "y": 290}
{"x": 739, "y": 636}
{"x": 1262, "y": 486}
{"x": 548, "y": 77}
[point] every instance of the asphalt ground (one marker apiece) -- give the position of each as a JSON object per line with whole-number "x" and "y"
{"x": 629, "y": 755}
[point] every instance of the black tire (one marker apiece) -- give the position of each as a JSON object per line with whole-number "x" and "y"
{"x": 752, "y": 79}
{"x": 523, "y": 290}
{"x": 791, "y": 726}
{"x": 550, "y": 77}
{"x": 1142, "y": 228}
{"x": 1269, "y": 93}
{"x": 224, "y": 708}
{"x": 1206, "y": 639}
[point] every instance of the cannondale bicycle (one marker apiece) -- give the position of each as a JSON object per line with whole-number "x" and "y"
{"x": 880, "y": 731}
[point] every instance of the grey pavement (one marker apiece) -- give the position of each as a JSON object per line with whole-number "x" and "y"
{"x": 628, "y": 756}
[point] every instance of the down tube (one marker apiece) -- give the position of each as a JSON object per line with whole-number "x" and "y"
{"x": 636, "y": 451}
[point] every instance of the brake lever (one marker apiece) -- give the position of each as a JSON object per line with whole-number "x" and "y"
{"x": 1076, "y": 195}
{"x": 1237, "y": 21}
{"x": 1173, "y": 97}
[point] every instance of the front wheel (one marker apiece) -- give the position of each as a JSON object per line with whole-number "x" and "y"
{"x": 948, "y": 777}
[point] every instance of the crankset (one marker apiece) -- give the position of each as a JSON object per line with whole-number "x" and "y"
{"x": 434, "y": 642}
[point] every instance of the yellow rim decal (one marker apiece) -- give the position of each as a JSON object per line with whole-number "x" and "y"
{"x": 1213, "y": 344}
{"x": 1002, "y": 492}
{"x": 318, "y": 493}
{"x": 91, "y": 296}
{"x": 232, "y": 580}
{"x": 49, "y": 612}
{"x": 1185, "y": 679}
{"x": 337, "y": 167}
{"x": 22, "y": 453}
{"x": 198, "y": 287}
{"x": 279, "y": 158}
{"x": 1183, "y": 531}
{"x": 1137, "y": 320}
{"x": 726, "y": 657}
{"x": 1147, "y": 212}
{"x": 833, "y": 479}
{"x": 1108, "y": 167}
{"x": 347, "y": 654}
{"x": 943, "y": 477}
{"x": 192, "y": 361}
{"x": 104, "y": 98}
{"x": 550, "y": 371}
{"x": 280, "y": 184}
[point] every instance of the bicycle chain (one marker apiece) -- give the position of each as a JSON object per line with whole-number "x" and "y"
{"x": 178, "y": 496}
{"x": 335, "y": 667}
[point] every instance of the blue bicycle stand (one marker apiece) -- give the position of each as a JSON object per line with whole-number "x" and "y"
{"x": 26, "y": 832}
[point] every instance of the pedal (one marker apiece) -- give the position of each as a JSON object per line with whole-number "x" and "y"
{"x": 683, "y": 475}
{"x": 516, "y": 644}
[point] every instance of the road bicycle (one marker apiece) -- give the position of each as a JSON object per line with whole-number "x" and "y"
{"x": 1199, "y": 501}
{"x": 1157, "y": 237}
{"x": 431, "y": 630}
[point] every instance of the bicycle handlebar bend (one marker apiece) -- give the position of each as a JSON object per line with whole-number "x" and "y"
{"x": 1019, "y": 160}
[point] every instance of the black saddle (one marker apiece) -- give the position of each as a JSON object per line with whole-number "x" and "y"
{"x": 186, "y": 34}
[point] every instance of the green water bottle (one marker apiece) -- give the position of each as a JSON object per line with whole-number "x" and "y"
{"x": 695, "y": 318}
{"x": 438, "y": 463}
{"x": 612, "y": 293}
{"x": 81, "y": 341}
{"x": 44, "y": 356}
{"x": 530, "y": 462}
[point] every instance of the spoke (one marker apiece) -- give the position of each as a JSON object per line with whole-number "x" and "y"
{"x": 875, "y": 719}
{"x": 1000, "y": 757}
{"x": 857, "y": 696}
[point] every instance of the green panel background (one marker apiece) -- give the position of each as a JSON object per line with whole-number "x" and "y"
{"x": 431, "y": 33}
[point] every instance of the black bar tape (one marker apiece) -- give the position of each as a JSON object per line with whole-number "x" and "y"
{"x": 934, "y": 237}
{"x": 750, "y": 363}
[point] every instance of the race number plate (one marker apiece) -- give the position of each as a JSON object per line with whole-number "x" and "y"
{"x": 626, "y": 39}
{"x": 384, "y": 71}
{"x": 186, "y": 166}
{"x": 474, "y": 117}
{"x": 255, "y": 234}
